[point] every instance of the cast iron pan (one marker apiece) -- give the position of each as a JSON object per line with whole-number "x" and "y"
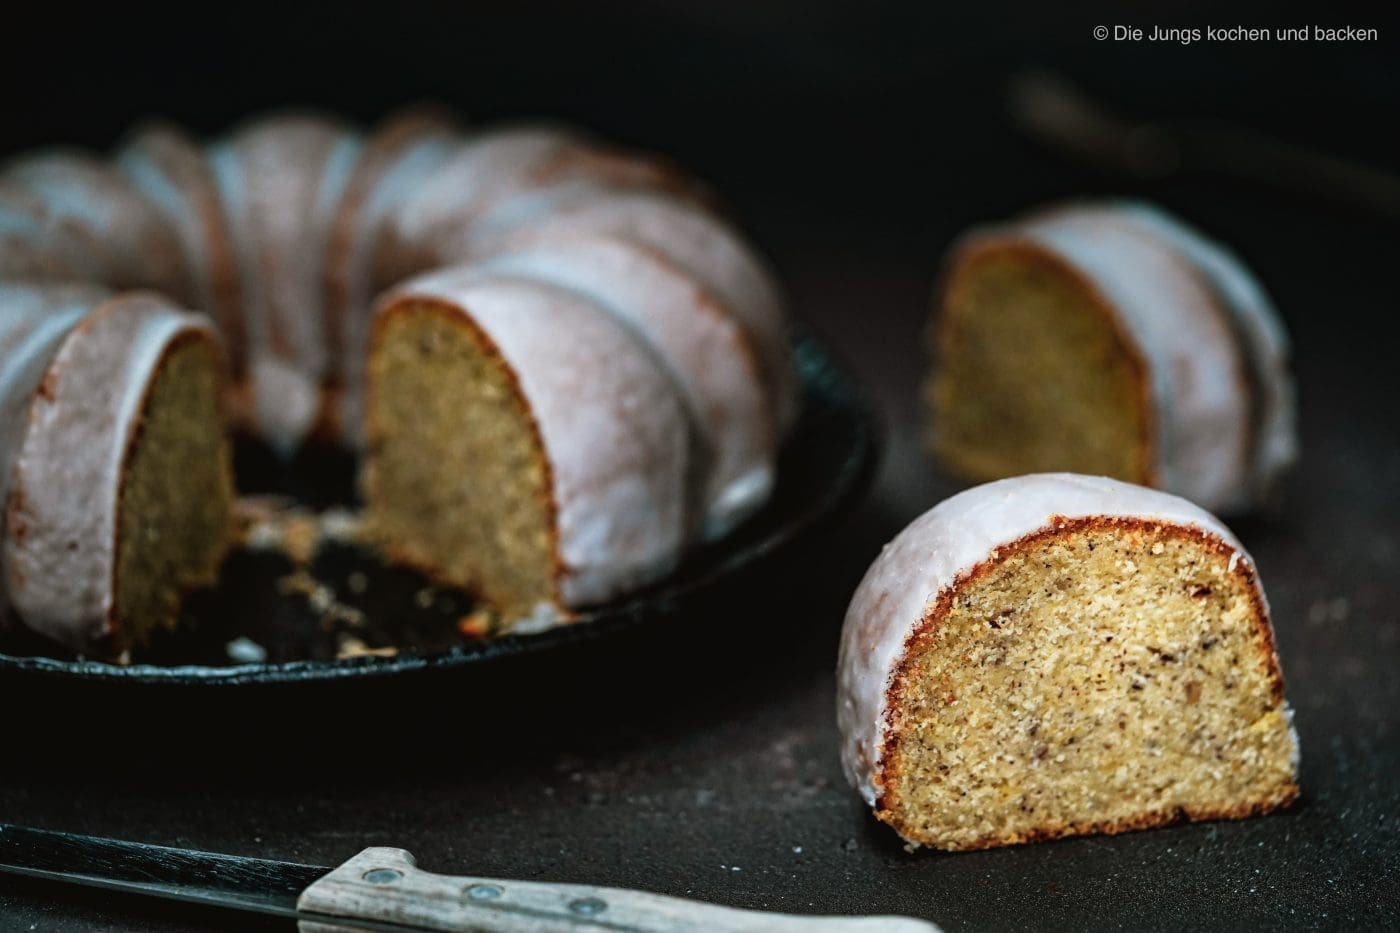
{"x": 824, "y": 465}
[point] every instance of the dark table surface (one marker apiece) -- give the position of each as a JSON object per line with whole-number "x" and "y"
{"x": 703, "y": 763}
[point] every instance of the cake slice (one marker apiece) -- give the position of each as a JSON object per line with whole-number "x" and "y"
{"x": 118, "y": 497}
{"x": 1110, "y": 339}
{"x": 1054, "y": 655}
{"x": 523, "y": 443}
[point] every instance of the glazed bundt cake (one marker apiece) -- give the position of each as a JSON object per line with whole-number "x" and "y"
{"x": 1111, "y": 339}
{"x": 1054, "y": 655}
{"x": 588, "y": 371}
{"x": 114, "y": 466}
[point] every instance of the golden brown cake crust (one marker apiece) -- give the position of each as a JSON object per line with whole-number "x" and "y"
{"x": 1151, "y": 820}
{"x": 921, "y": 635}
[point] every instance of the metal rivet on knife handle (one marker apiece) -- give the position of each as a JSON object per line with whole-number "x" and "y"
{"x": 382, "y": 875}
{"x": 588, "y": 906}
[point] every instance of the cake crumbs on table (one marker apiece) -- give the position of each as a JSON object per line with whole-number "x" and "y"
{"x": 351, "y": 647}
{"x": 478, "y": 624}
{"x": 245, "y": 651}
{"x": 274, "y": 523}
{"x": 322, "y": 599}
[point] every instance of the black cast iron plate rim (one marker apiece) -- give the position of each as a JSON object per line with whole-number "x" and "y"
{"x": 832, "y": 407}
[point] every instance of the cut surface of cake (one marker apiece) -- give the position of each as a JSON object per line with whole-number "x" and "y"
{"x": 1110, "y": 339}
{"x": 519, "y": 445}
{"x": 118, "y": 499}
{"x": 1034, "y": 373}
{"x": 1054, "y": 655}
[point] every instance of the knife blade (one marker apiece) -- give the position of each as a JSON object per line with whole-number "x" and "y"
{"x": 381, "y": 888}
{"x": 258, "y": 885}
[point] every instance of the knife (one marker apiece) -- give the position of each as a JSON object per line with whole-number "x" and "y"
{"x": 1059, "y": 114}
{"x": 383, "y": 889}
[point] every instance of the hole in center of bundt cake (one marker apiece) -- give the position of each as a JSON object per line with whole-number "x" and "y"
{"x": 456, "y": 481}
{"x": 1100, "y": 680}
{"x": 1031, "y": 376}
{"x": 176, "y": 494}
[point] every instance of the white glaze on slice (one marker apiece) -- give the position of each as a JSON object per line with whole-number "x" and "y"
{"x": 1258, "y": 324}
{"x": 34, "y": 320}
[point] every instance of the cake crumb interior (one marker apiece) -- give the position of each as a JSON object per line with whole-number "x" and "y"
{"x": 1092, "y": 682}
{"x": 175, "y": 504}
{"x": 455, "y": 480}
{"x": 1030, "y": 377}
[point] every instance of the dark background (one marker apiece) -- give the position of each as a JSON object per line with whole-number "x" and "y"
{"x": 881, "y": 116}
{"x": 854, "y": 142}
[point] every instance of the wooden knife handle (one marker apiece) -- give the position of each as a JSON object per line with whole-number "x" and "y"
{"x": 382, "y": 886}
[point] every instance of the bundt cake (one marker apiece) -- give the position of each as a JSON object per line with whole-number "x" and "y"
{"x": 1111, "y": 339}
{"x": 1057, "y": 654}
{"x": 114, "y": 467}
{"x": 579, "y": 368}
